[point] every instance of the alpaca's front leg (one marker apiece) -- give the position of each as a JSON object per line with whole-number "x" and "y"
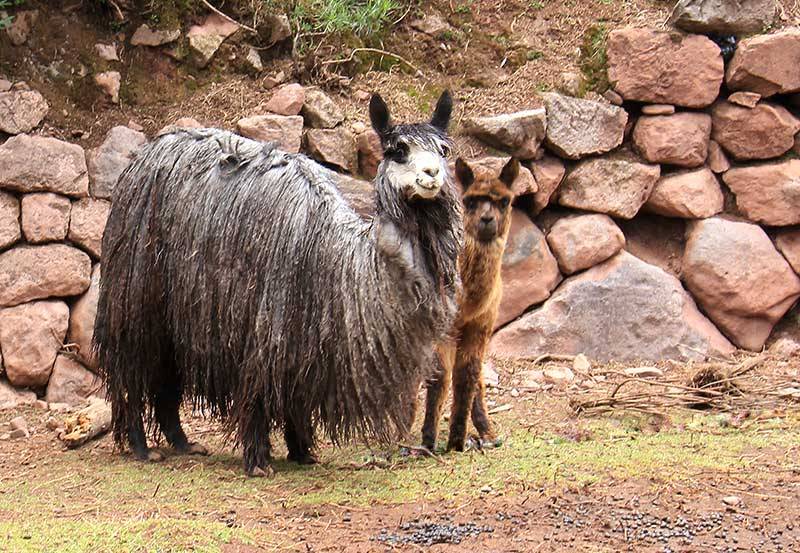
{"x": 466, "y": 375}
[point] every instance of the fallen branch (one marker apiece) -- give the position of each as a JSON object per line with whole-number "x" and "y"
{"x": 88, "y": 423}
{"x": 232, "y": 20}
{"x": 374, "y": 51}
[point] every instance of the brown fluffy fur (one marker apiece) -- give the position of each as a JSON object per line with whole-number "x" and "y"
{"x": 487, "y": 202}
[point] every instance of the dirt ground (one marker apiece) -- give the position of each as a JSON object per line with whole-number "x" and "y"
{"x": 652, "y": 475}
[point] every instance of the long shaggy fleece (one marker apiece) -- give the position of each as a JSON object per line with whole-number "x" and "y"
{"x": 240, "y": 269}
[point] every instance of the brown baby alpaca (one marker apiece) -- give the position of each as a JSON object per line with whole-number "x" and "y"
{"x": 487, "y": 219}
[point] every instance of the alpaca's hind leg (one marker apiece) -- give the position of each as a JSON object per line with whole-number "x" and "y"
{"x": 167, "y": 404}
{"x": 299, "y": 444}
{"x": 253, "y": 431}
{"x": 466, "y": 375}
{"x": 437, "y": 388}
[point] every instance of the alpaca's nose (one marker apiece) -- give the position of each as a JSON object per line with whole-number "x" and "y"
{"x": 431, "y": 171}
{"x": 487, "y": 218}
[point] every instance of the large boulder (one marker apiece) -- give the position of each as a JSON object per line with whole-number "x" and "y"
{"x": 107, "y": 161}
{"x": 762, "y": 132}
{"x": 529, "y": 272}
{"x": 584, "y": 241}
{"x": 664, "y": 68}
{"x": 70, "y": 382}
{"x": 31, "y": 335}
{"x": 723, "y": 17}
{"x": 548, "y": 172}
{"x": 10, "y": 230}
{"x": 768, "y": 193}
{"x": 520, "y": 134}
{"x": 690, "y": 194}
{"x": 35, "y": 272}
{"x": 285, "y": 130}
{"x": 766, "y": 64}
{"x": 578, "y": 128}
{"x": 622, "y": 310}
{"x": 319, "y": 111}
{"x": 43, "y": 164}
{"x": 87, "y": 223}
{"x": 680, "y": 139}
{"x": 81, "y": 321}
{"x": 21, "y": 111}
{"x": 617, "y": 185}
{"x": 788, "y": 243}
{"x": 740, "y": 280}
{"x": 45, "y": 217}
{"x": 336, "y": 147}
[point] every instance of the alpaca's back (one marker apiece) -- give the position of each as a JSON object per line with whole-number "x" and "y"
{"x": 195, "y": 216}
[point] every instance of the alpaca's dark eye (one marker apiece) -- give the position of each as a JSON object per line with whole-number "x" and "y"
{"x": 445, "y": 150}
{"x": 470, "y": 203}
{"x": 504, "y": 203}
{"x": 397, "y": 153}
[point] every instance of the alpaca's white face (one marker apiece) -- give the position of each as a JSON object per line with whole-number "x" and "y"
{"x": 416, "y": 171}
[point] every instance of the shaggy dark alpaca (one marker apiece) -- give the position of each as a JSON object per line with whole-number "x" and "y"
{"x": 487, "y": 220}
{"x": 236, "y": 276}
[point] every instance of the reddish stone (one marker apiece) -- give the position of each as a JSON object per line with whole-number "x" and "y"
{"x": 43, "y": 164}
{"x": 577, "y": 128}
{"x": 333, "y": 146}
{"x": 87, "y": 223}
{"x": 664, "y": 68}
{"x": 617, "y": 185}
{"x": 70, "y": 382}
{"x": 81, "y": 321}
{"x": 762, "y": 132}
{"x": 680, "y": 139}
{"x": 768, "y": 193}
{"x": 745, "y": 99}
{"x": 584, "y": 241}
{"x": 520, "y": 134}
{"x": 370, "y": 153}
{"x": 21, "y": 111}
{"x": 690, "y": 194}
{"x": 45, "y": 217}
{"x": 319, "y": 111}
{"x": 109, "y": 83}
{"x": 144, "y": 36}
{"x": 107, "y": 161}
{"x": 743, "y": 284}
{"x": 10, "y": 230}
{"x": 717, "y": 160}
{"x": 788, "y": 243}
{"x": 31, "y": 335}
{"x": 766, "y": 64}
{"x": 287, "y": 100}
{"x": 548, "y": 171}
{"x": 286, "y": 131}
{"x": 36, "y": 272}
{"x": 530, "y": 272}
{"x": 658, "y": 109}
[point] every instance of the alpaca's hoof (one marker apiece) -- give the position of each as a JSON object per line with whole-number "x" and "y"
{"x": 155, "y": 456}
{"x": 259, "y": 472}
{"x": 194, "y": 448}
{"x": 489, "y": 442}
{"x": 307, "y": 458}
{"x": 455, "y": 445}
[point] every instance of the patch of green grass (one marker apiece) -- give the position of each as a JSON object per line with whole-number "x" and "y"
{"x": 537, "y": 4}
{"x": 99, "y": 534}
{"x": 594, "y": 63}
{"x": 361, "y": 18}
{"x": 532, "y": 55}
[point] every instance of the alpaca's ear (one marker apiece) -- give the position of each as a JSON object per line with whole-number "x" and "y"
{"x": 441, "y": 115}
{"x": 464, "y": 174}
{"x": 510, "y": 172}
{"x": 379, "y": 115}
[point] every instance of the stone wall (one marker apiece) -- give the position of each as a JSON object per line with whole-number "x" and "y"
{"x": 661, "y": 220}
